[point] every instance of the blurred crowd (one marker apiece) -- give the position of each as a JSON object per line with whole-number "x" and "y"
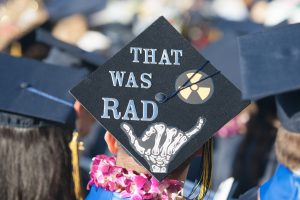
{"x": 85, "y": 33}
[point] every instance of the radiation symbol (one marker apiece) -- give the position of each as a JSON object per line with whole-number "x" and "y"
{"x": 197, "y": 93}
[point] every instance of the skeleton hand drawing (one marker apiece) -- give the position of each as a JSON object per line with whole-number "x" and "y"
{"x": 160, "y": 143}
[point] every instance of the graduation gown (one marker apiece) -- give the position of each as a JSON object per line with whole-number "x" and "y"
{"x": 283, "y": 185}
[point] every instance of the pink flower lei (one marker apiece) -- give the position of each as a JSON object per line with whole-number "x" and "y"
{"x": 105, "y": 174}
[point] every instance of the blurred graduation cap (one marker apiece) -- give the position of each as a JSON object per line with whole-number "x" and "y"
{"x": 270, "y": 61}
{"x": 160, "y": 98}
{"x": 270, "y": 67}
{"x": 288, "y": 109}
{"x": 27, "y": 46}
{"x": 239, "y": 27}
{"x": 58, "y": 9}
{"x": 35, "y": 94}
{"x": 91, "y": 58}
{"x": 224, "y": 54}
{"x": 38, "y": 44}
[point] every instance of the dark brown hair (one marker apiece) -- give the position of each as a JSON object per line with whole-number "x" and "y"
{"x": 253, "y": 153}
{"x": 35, "y": 163}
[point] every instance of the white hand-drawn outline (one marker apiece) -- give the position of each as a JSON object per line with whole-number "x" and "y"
{"x": 159, "y": 156}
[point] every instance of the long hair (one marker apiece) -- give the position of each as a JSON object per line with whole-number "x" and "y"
{"x": 35, "y": 164}
{"x": 252, "y": 154}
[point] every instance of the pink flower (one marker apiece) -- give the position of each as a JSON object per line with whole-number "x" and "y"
{"x": 154, "y": 186}
{"x": 125, "y": 194}
{"x": 148, "y": 196}
{"x": 139, "y": 181}
{"x": 138, "y": 186}
{"x": 136, "y": 197}
{"x": 104, "y": 169}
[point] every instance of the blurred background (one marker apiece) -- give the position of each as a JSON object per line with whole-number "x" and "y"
{"x": 85, "y": 33}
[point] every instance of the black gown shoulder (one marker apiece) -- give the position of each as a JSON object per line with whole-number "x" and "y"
{"x": 250, "y": 194}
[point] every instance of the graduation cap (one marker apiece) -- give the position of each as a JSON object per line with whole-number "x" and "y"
{"x": 58, "y": 9}
{"x": 270, "y": 61}
{"x": 37, "y": 43}
{"x": 160, "y": 98}
{"x": 270, "y": 67}
{"x": 27, "y": 46}
{"x": 288, "y": 110}
{"x": 240, "y": 27}
{"x": 89, "y": 57}
{"x": 34, "y": 94}
{"x": 224, "y": 54}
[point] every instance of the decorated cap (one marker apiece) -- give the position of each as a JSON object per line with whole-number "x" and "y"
{"x": 160, "y": 98}
{"x": 35, "y": 94}
{"x": 270, "y": 61}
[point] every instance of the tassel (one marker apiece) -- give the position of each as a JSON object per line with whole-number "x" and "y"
{"x": 205, "y": 182}
{"x": 75, "y": 163}
{"x": 16, "y": 49}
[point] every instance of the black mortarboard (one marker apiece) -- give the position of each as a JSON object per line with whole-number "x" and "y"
{"x": 224, "y": 54}
{"x": 160, "y": 98}
{"x": 34, "y": 93}
{"x": 27, "y": 46}
{"x": 37, "y": 44}
{"x": 91, "y": 58}
{"x": 240, "y": 27}
{"x": 58, "y": 9}
{"x": 288, "y": 110}
{"x": 270, "y": 61}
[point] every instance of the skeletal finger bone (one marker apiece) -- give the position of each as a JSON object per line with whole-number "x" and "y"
{"x": 147, "y": 157}
{"x": 155, "y": 168}
{"x": 196, "y": 128}
{"x": 153, "y": 160}
{"x": 148, "y": 133}
{"x": 160, "y": 129}
{"x": 200, "y": 123}
{"x": 148, "y": 152}
{"x": 168, "y": 158}
{"x": 174, "y": 143}
{"x": 179, "y": 144}
{"x": 160, "y": 162}
{"x": 138, "y": 147}
{"x": 170, "y": 134}
{"x": 128, "y": 131}
{"x": 166, "y": 162}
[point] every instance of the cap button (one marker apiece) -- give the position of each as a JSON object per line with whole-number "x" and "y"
{"x": 160, "y": 97}
{"x": 24, "y": 85}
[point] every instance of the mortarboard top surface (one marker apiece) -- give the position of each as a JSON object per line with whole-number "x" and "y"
{"x": 37, "y": 90}
{"x": 240, "y": 27}
{"x": 58, "y": 9}
{"x": 89, "y": 57}
{"x": 224, "y": 55}
{"x": 37, "y": 43}
{"x": 160, "y": 133}
{"x": 270, "y": 61}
